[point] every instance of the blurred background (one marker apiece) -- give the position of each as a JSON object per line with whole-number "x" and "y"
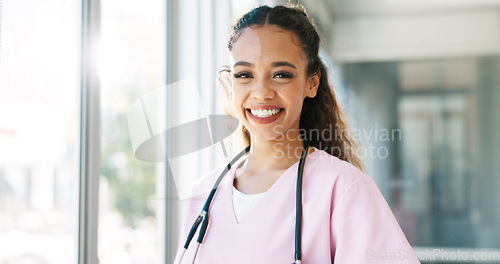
{"x": 419, "y": 81}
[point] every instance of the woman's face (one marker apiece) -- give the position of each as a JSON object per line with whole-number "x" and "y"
{"x": 270, "y": 82}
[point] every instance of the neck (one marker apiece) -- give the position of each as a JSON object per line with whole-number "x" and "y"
{"x": 273, "y": 155}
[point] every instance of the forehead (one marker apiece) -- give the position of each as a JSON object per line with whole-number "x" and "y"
{"x": 267, "y": 44}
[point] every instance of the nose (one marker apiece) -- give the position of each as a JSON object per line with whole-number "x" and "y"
{"x": 262, "y": 91}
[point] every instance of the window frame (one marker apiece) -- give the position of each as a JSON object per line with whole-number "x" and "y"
{"x": 89, "y": 135}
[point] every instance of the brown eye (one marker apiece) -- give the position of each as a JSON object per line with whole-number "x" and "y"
{"x": 283, "y": 75}
{"x": 242, "y": 75}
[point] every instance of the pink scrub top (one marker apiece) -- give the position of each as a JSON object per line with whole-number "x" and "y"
{"x": 346, "y": 220}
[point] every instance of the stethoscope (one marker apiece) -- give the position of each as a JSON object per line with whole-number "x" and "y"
{"x": 203, "y": 217}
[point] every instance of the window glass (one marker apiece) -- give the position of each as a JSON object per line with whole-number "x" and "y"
{"x": 131, "y": 64}
{"x": 445, "y": 155}
{"x": 440, "y": 175}
{"x": 39, "y": 130}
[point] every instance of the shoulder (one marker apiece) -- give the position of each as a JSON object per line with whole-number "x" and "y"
{"x": 327, "y": 175}
{"x": 330, "y": 170}
{"x": 202, "y": 186}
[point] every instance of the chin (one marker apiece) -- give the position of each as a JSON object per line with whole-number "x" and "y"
{"x": 267, "y": 136}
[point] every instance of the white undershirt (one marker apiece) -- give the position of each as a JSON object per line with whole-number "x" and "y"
{"x": 243, "y": 203}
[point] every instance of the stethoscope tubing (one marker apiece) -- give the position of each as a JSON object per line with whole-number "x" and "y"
{"x": 298, "y": 206}
{"x": 203, "y": 218}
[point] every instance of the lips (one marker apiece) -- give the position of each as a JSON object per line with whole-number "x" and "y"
{"x": 264, "y": 114}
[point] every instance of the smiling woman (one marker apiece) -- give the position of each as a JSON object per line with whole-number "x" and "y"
{"x": 269, "y": 76}
{"x": 315, "y": 195}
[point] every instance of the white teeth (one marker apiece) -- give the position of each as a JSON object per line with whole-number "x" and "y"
{"x": 262, "y": 113}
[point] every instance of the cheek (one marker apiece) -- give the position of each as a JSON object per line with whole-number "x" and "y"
{"x": 296, "y": 94}
{"x": 237, "y": 94}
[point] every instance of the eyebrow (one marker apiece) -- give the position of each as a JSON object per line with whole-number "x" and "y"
{"x": 274, "y": 64}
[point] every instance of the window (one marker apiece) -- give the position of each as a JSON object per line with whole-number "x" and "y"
{"x": 131, "y": 63}
{"x": 439, "y": 174}
{"x": 39, "y": 131}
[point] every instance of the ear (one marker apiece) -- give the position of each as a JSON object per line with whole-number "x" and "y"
{"x": 313, "y": 84}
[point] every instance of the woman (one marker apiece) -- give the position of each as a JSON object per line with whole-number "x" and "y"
{"x": 280, "y": 93}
